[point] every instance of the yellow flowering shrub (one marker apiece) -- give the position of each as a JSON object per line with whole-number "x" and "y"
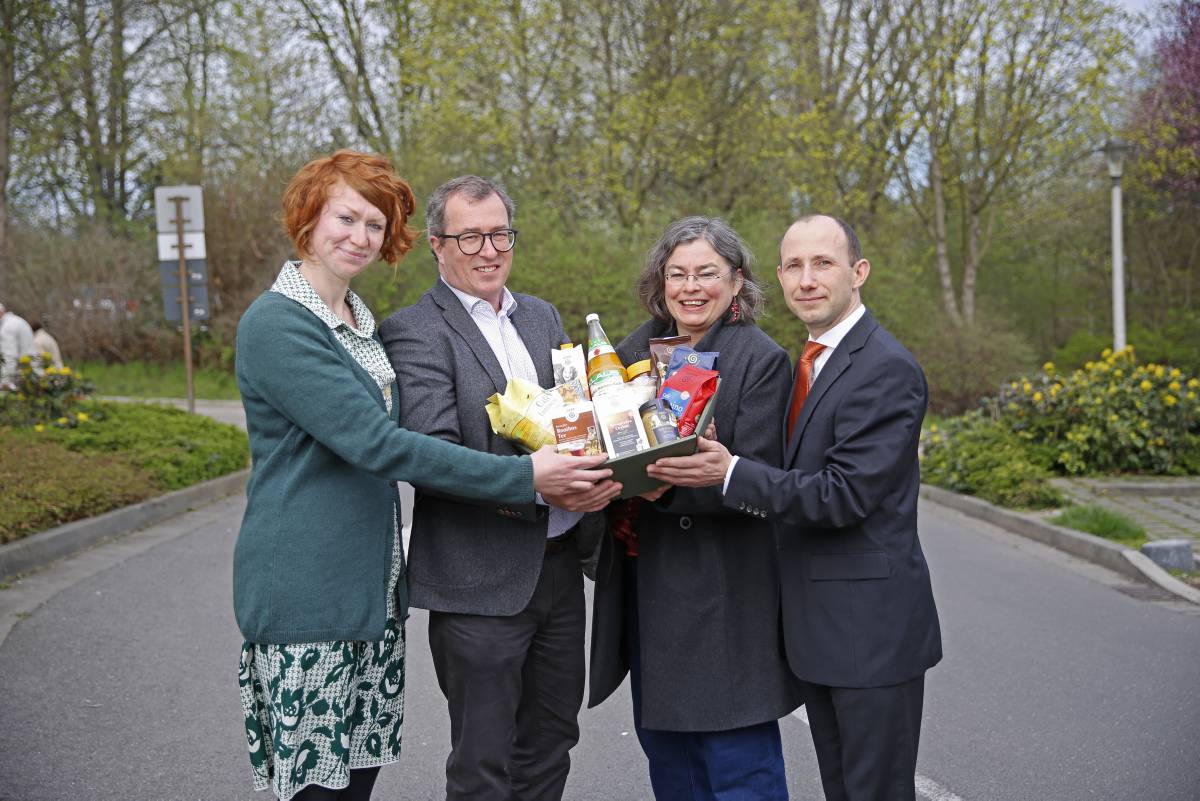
{"x": 1112, "y": 416}
{"x": 45, "y": 395}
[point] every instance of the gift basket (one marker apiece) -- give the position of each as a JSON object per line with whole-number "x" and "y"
{"x": 635, "y": 414}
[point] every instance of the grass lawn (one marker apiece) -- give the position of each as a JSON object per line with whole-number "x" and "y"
{"x": 1102, "y": 522}
{"x": 145, "y": 380}
{"x": 120, "y": 454}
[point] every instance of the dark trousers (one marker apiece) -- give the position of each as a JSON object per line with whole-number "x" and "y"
{"x": 866, "y": 739}
{"x": 514, "y": 687}
{"x": 743, "y": 764}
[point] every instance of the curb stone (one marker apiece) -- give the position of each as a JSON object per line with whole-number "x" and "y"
{"x": 38, "y": 550}
{"x": 1127, "y": 562}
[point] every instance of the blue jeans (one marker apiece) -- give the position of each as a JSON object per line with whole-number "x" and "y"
{"x": 743, "y": 764}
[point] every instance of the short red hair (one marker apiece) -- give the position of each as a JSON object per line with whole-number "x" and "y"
{"x": 372, "y": 176}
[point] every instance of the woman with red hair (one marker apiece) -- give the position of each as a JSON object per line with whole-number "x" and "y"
{"x": 318, "y": 576}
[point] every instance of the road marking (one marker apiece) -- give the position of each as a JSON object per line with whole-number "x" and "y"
{"x": 934, "y": 791}
{"x": 926, "y": 787}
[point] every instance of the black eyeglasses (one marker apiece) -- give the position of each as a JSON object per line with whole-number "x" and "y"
{"x": 471, "y": 243}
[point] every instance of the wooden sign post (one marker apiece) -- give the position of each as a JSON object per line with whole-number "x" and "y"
{"x": 180, "y": 210}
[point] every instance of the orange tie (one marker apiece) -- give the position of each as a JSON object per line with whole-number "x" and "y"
{"x": 803, "y": 379}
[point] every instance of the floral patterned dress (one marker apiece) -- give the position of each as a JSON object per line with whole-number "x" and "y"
{"x": 315, "y": 710}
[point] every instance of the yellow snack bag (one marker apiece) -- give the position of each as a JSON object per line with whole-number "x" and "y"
{"x": 524, "y": 413}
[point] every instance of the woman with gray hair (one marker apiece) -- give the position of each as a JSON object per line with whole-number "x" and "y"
{"x": 687, "y": 591}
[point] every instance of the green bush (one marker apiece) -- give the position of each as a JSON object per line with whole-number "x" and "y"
{"x": 978, "y": 456}
{"x": 963, "y": 364}
{"x": 174, "y": 448}
{"x": 45, "y": 485}
{"x": 1102, "y": 522}
{"x": 1111, "y": 416}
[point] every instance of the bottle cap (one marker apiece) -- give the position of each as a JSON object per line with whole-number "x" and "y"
{"x": 638, "y": 368}
{"x": 592, "y": 316}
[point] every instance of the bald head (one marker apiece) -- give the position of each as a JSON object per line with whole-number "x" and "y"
{"x": 821, "y": 270}
{"x": 853, "y": 248}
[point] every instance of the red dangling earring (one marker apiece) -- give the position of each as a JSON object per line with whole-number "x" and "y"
{"x": 735, "y": 311}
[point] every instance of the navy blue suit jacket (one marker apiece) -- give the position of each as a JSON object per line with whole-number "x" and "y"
{"x": 858, "y": 608}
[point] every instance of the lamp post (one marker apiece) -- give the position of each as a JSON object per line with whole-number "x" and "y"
{"x": 1114, "y": 151}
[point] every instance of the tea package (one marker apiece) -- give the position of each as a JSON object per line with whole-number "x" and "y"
{"x": 619, "y": 421}
{"x": 570, "y": 373}
{"x": 687, "y": 392}
{"x": 524, "y": 413}
{"x": 576, "y": 431}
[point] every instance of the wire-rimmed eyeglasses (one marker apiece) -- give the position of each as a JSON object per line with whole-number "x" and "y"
{"x": 703, "y": 278}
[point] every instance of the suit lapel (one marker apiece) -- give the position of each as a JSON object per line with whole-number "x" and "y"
{"x": 460, "y": 321}
{"x": 839, "y": 360}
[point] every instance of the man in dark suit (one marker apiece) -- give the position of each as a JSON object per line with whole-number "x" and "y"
{"x": 860, "y": 626}
{"x": 503, "y": 585}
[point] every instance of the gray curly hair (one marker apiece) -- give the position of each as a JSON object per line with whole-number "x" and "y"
{"x": 651, "y": 285}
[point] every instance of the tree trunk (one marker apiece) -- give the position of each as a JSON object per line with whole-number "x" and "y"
{"x": 941, "y": 249}
{"x": 7, "y": 90}
{"x": 971, "y": 261}
{"x": 117, "y": 146}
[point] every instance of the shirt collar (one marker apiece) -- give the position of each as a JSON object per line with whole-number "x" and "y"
{"x": 508, "y": 303}
{"x": 834, "y": 336}
{"x": 292, "y": 284}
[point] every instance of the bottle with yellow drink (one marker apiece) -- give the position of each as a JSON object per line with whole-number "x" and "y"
{"x": 604, "y": 367}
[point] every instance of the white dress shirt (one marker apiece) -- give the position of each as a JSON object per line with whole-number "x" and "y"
{"x": 830, "y": 339}
{"x": 514, "y": 359}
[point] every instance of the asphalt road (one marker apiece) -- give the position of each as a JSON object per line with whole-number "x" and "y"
{"x": 1061, "y": 681}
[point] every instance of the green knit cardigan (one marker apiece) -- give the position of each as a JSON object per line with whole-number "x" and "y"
{"x": 313, "y": 556}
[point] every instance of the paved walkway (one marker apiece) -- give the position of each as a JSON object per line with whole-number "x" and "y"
{"x": 1061, "y": 681}
{"x": 1167, "y": 507}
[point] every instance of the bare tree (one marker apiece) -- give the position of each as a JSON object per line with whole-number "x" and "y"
{"x": 849, "y": 86}
{"x": 1006, "y": 92}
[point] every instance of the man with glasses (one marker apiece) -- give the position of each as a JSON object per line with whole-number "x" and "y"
{"x": 503, "y": 585}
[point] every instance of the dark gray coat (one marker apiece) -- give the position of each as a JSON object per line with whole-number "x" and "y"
{"x": 464, "y": 557}
{"x": 707, "y": 577}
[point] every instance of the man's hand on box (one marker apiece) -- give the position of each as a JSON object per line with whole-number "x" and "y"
{"x": 555, "y": 474}
{"x": 589, "y": 500}
{"x": 705, "y": 468}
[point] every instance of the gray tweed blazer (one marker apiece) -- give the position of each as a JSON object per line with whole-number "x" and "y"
{"x": 466, "y": 557}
